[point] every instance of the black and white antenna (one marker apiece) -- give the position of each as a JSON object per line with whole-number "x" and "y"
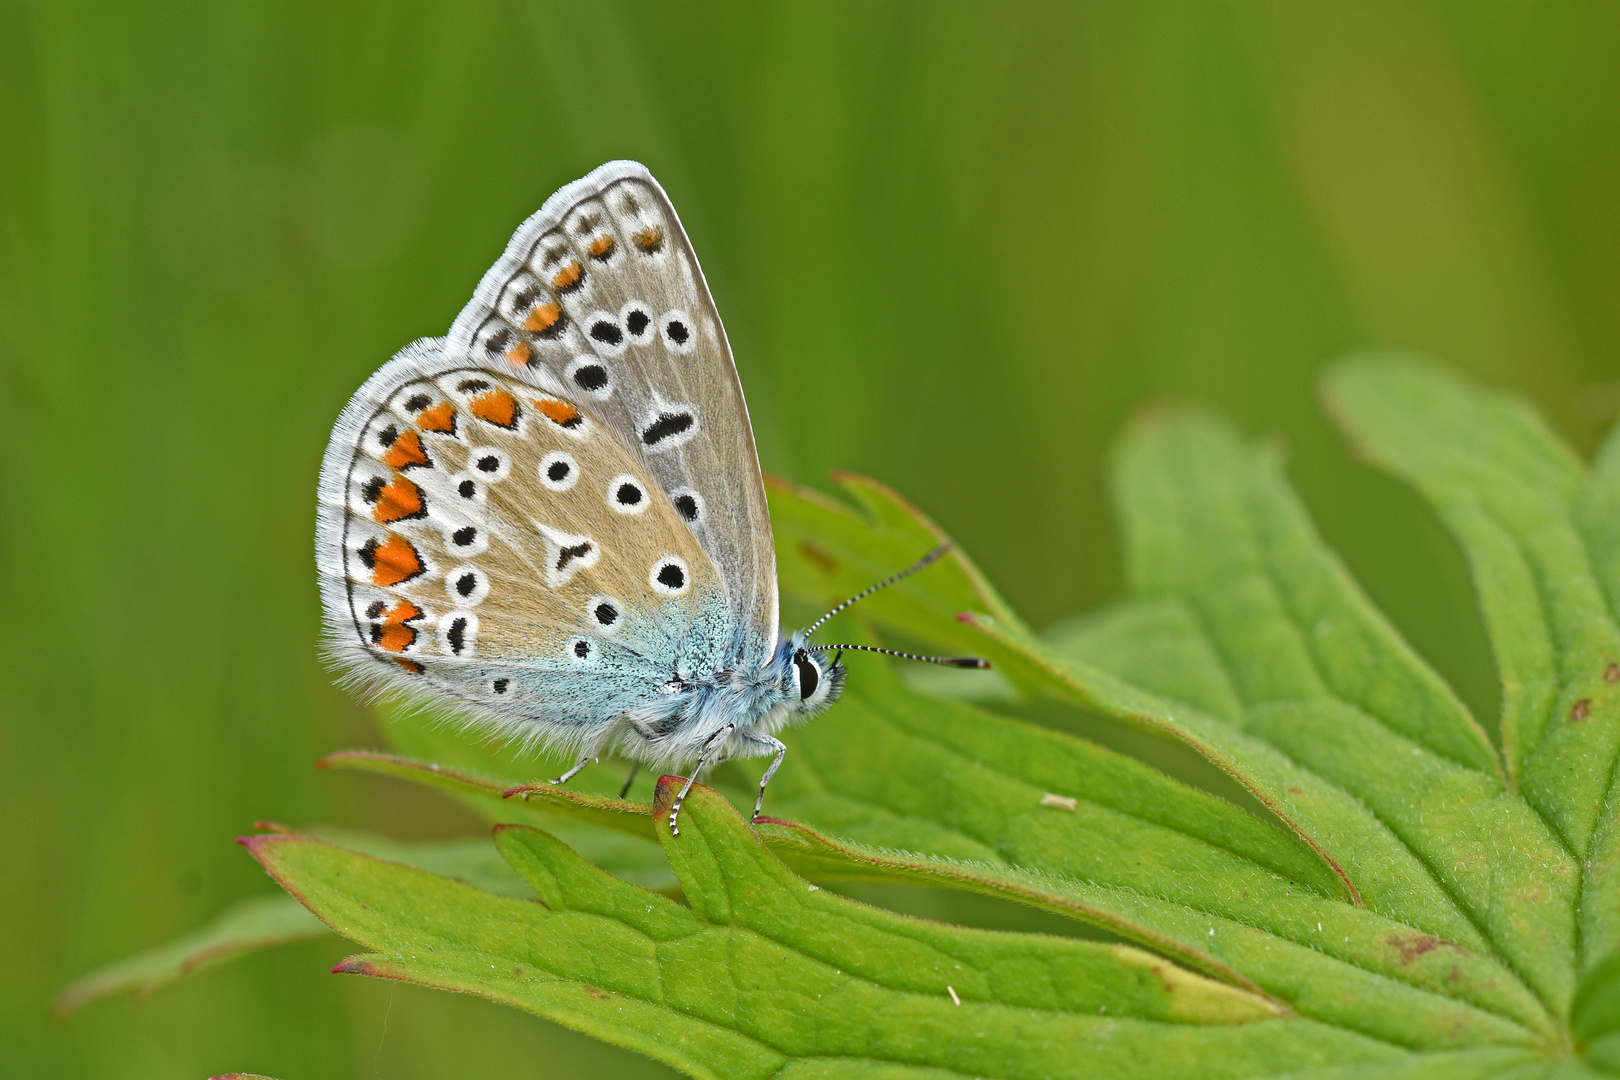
{"x": 947, "y": 661}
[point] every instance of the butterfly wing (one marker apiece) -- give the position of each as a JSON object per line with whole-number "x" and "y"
{"x": 486, "y": 539}
{"x": 601, "y": 292}
{"x": 556, "y": 513}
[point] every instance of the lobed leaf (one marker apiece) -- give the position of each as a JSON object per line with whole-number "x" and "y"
{"x": 1139, "y": 854}
{"x": 1318, "y": 675}
{"x": 264, "y": 922}
{"x": 766, "y": 975}
{"x": 1539, "y": 539}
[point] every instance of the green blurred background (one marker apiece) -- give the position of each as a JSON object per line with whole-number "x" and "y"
{"x": 955, "y": 247}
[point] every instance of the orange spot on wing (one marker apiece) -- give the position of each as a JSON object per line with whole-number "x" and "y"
{"x": 393, "y": 631}
{"x": 559, "y": 412}
{"x": 495, "y": 407}
{"x": 398, "y": 500}
{"x": 649, "y": 239}
{"x": 393, "y": 561}
{"x": 518, "y": 354}
{"x": 440, "y": 417}
{"x": 409, "y": 665}
{"x": 406, "y": 451}
{"x": 601, "y": 247}
{"x": 543, "y": 318}
{"x": 569, "y": 277}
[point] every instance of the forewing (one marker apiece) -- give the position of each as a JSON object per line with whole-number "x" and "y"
{"x": 600, "y": 294}
{"x": 492, "y": 541}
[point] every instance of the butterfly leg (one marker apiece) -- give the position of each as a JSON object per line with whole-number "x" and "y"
{"x": 768, "y": 745}
{"x": 629, "y": 779}
{"x": 714, "y": 740}
{"x": 587, "y": 757}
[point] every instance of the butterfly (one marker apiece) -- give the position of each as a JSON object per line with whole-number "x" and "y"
{"x": 553, "y": 519}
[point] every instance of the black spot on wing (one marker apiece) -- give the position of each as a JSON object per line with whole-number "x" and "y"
{"x": 666, "y": 426}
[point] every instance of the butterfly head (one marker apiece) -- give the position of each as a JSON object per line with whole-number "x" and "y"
{"x": 811, "y": 679}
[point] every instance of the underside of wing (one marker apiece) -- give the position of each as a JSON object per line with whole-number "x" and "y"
{"x": 599, "y": 295}
{"x": 490, "y": 540}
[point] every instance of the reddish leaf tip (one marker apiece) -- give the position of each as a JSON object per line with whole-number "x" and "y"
{"x": 273, "y": 826}
{"x": 665, "y": 791}
{"x": 354, "y": 966}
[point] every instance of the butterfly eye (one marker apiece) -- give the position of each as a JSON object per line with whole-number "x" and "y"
{"x": 809, "y": 674}
{"x": 558, "y": 471}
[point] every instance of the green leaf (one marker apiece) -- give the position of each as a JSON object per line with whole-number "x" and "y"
{"x": 1371, "y": 858}
{"x": 1535, "y": 535}
{"x": 1316, "y": 674}
{"x": 1595, "y": 1012}
{"x": 765, "y": 970}
{"x": 264, "y": 922}
{"x": 827, "y": 552}
{"x": 905, "y": 786}
{"x": 1423, "y": 925}
{"x": 1599, "y": 517}
{"x": 501, "y": 800}
{"x": 259, "y": 922}
{"x": 1400, "y": 890}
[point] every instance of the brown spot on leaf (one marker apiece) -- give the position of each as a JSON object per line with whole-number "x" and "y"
{"x": 597, "y": 993}
{"x": 1296, "y": 791}
{"x": 1580, "y": 710}
{"x": 1410, "y": 946}
{"x": 818, "y": 557}
{"x": 1612, "y": 672}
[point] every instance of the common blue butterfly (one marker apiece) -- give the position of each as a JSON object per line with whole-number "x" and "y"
{"x": 553, "y": 518}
